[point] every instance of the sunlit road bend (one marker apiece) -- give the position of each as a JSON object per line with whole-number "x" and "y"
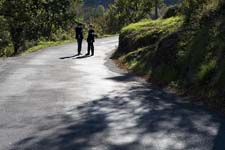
{"x": 76, "y": 103}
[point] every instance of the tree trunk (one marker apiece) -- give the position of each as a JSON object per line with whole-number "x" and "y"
{"x": 156, "y": 9}
{"x": 16, "y": 39}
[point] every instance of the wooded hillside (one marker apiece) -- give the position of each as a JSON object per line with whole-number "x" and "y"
{"x": 98, "y": 2}
{"x": 185, "y": 50}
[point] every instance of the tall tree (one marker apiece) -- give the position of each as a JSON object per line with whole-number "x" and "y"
{"x": 124, "y": 12}
{"x": 4, "y": 31}
{"x": 30, "y": 19}
{"x": 156, "y": 9}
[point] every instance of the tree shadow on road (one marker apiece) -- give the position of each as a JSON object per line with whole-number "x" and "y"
{"x": 137, "y": 117}
{"x": 219, "y": 141}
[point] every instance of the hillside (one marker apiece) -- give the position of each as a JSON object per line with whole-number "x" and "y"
{"x": 107, "y": 2}
{"x": 98, "y": 2}
{"x": 185, "y": 52}
{"x": 171, "y": 2}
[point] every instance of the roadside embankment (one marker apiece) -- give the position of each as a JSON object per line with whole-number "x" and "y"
{"x": 179, "y": 52}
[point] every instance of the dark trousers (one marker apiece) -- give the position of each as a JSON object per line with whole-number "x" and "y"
{"x": 91, "y": 48}
{"x": 79, "y": 43}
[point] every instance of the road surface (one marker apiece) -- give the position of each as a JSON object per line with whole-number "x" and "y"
{"x": 50, "y": 100}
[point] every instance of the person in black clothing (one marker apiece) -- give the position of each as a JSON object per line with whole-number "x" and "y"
{"x": 91, "y": 40}
{"x": 79, "y": 37}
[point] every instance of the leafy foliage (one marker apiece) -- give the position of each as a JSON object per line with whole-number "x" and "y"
{"x": 30, "y": 20}
{"x": 94, "y": 3}
{"x": 172, "y": 2}
{"x": 94, "y": 15}
{"x": 190, "y": 55}
{"x": 124, "y": 12}
{"x": 138, "y": 44}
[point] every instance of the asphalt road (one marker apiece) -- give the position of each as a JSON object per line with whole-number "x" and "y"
{"x": 52, "y": 101}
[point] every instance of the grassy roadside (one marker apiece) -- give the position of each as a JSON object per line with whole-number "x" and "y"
{"x": 46, "y": 44}
{"x": 139, "y": 41}
{"x": 185, "y": 56}
{"x": 8, "y": 51}
{"x": 42, "y": 45}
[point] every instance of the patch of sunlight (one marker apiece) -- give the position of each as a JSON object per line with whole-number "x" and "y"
{"x": 162, "y": 141}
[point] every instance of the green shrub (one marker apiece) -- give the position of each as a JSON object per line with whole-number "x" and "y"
{"x": 172, "y": 11}
{"x": 206, "y": 71}
{"x": 145, "y": 33}
{"x": 188, "y": 51}
{"x": 164, "y": 74}
{"x": 7, "y": 51}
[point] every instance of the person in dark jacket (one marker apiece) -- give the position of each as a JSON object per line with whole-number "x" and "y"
{"x": 91, "y": 40}
{"x": 79, "y": 37}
